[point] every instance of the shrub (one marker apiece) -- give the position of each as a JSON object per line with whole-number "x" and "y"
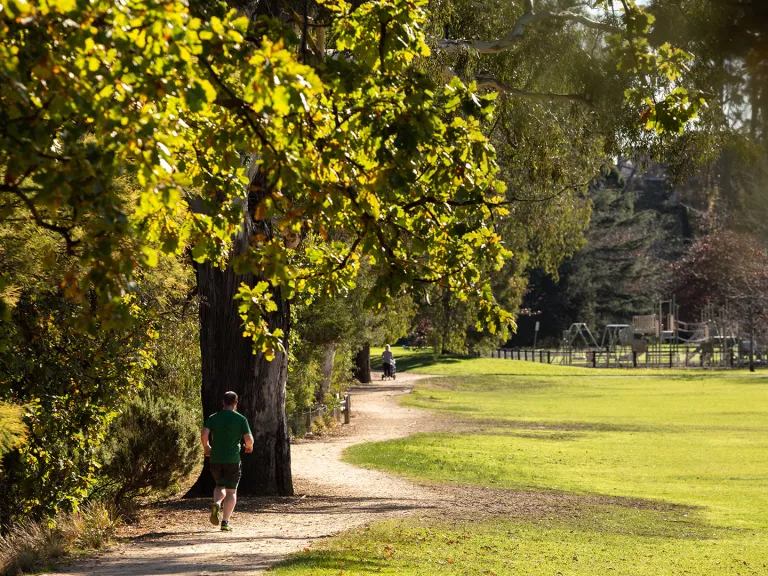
{"x": 12, "y": 429}
{"x": 318, "y": 427}
{"x": 69, "y": 382}
{"x": 150, "y": 446}
{"x": 304, "y": 375}
{"x": 32, "y": 545}
{"x": 93, "y": 527}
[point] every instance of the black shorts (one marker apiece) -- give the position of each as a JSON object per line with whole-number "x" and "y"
{"x": 227, "y": 475}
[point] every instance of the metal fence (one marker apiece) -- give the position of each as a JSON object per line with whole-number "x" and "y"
{"x": 679, "y": 356}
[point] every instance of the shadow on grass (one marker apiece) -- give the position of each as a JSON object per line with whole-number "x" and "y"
{"x": 420, "y": 359}
{"x": 477, "y": 544}
{"x": 312, "y": 561}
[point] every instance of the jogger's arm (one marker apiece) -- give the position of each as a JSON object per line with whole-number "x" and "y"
{"x": 248, "y": 438}
{"x": 205, "y": 437}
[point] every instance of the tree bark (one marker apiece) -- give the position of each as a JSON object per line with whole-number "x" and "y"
{"x": 446, "y": 321}
{"x": 751, "y": 341}
{"x": 228, "y": 363}
{"x": 363, "y": 364}
{"x": 328, "y": 357}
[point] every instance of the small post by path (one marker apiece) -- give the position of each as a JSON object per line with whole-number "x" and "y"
{"x": 347, "y": 408}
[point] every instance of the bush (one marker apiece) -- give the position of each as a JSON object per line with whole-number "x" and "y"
{"x": 30, "y": 545}
{"x": 93, "y": 527}
{"x": 152, "y": 445}
{"x": 12, "y": 429}
{"x": 69, "y": 382}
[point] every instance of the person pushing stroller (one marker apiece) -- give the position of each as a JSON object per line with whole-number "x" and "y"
{"x": 388, "y": 363}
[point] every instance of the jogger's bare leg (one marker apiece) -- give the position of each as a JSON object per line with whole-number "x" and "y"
{"x": 219, "y": 493}
{"x": 228, "y": 505}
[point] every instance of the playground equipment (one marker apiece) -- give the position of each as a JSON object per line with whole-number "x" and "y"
{"x": 675, "y": 342}
{"x": 663, "y": 339}
{"x": 660, "y": 339}
{"x": 579, "y": 334}
{"x": 617, "y": 343}
{"x": 578, "y": 343}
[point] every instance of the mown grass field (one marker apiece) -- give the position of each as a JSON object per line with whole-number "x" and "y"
{"x": 690, "y": 447}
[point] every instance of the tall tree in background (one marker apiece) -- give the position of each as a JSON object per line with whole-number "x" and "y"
{"x": 636, "y": 229}
{"x": 559, "y": 120}
{"x": 730, "y": 172}
{"x": 729, "y": 270}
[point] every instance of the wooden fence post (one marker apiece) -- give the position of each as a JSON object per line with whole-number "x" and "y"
{"x": 670, "y": 357}
{"x": 634, "y": 358}
{"x": 347, "y": 408}
{"x": 526, "y": 354}
{"x": 549, "y": 359}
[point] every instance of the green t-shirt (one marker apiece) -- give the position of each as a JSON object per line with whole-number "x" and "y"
{"x": 227, "y": 429}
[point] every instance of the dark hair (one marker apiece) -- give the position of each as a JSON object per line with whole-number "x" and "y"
{"x": 230, "y": 398}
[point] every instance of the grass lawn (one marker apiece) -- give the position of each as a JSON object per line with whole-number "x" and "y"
{"x": 694, "y": 439}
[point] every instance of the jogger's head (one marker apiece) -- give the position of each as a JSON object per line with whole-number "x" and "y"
{"x": 230, "y": 399}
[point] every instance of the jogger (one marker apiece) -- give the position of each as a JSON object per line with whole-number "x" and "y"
{"x": 221, "y": 438}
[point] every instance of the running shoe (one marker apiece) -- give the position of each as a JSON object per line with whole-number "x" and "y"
{"x": 215, "y": 514}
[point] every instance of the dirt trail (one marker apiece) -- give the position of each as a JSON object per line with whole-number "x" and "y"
{"x": 177, "y": 539}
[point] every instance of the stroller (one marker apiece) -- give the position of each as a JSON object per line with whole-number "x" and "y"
{"x": 390, "y": 370}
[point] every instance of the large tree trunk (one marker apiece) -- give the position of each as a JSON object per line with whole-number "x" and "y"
{"x": 329, "y": 355}
{"x": 363, "y": 364}
{"x": 229, "y": 363}
{"x": 446, "y": 321}
{"x": 751, "y": 342}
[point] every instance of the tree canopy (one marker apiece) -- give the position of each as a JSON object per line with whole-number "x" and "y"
{"x": 371, "y": 148}
{"x": 360, "y": 141}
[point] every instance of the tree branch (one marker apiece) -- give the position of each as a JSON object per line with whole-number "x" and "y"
{"x": 518, "y": 30}
{"x": 64, "y": 232}
{"x": 489, "y": 82}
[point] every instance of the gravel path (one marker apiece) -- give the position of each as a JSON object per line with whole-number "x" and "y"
{"x": 177, "y": 539}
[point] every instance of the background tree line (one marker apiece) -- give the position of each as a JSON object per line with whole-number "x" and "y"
{"x": 692, "y": 229}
